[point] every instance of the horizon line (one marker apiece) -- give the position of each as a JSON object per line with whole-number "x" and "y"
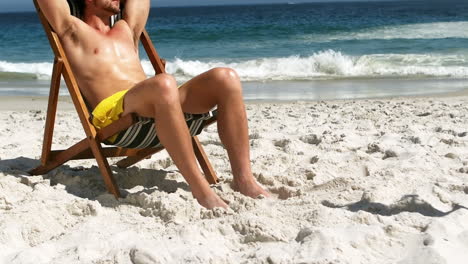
{"x": 253, "y": 4}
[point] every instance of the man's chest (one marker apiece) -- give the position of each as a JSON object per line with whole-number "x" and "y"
{"x": 93, "y": 46}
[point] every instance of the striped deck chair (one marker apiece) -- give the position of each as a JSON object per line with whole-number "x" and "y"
{"x": 136, "y": 139}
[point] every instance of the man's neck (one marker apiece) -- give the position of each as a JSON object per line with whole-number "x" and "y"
{"x": 97, "y": 22}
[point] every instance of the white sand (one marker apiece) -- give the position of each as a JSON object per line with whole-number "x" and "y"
{"x": 369, "y": 181}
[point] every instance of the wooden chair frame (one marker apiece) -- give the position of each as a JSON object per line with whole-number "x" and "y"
{"x": 90, "y": 147}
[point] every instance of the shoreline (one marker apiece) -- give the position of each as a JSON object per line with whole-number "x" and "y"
{"x": 290, "y": 91}
{"x": 19, "y": 102}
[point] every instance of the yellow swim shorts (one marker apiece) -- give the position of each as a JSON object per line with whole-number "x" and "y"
{"x": 108, "y": 111}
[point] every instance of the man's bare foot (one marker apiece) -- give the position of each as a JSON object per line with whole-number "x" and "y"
{"x": 211, "y": 201}
{"x": 249, "y": 188}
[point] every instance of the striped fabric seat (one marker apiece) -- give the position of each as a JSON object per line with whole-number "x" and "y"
{"x": 143, "y": 133}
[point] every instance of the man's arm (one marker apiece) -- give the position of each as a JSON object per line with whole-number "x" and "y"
{"x": 58, "y": 14}
{"x": 135, "y": 14}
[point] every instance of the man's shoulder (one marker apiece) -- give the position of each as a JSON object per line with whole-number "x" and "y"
{"x": 80, "y": 32}
{"x": 122, "y": 24}
{"x": 75, "y": 26}
{"x": 123, "y": 27}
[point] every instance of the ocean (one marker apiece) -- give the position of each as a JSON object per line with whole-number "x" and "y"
{"x": 289, "y": 51}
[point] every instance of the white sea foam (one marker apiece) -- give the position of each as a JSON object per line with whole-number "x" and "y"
{"x": 333, "y": 65}
{"x": 439, "y": 30}
{"x": 42, "y": 70}
{"x": 322, "y": 65}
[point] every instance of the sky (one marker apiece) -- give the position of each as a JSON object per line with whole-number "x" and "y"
{"x": 27, "y": 5}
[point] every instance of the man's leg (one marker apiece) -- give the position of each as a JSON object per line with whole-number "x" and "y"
{"x": 158, "y": 97}
{"x": 221, "y": 87}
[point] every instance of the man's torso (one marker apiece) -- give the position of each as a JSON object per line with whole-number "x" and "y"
{"x": 103, "y": 63}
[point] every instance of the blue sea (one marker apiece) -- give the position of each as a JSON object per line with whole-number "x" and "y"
{"x": 283, "y": 51}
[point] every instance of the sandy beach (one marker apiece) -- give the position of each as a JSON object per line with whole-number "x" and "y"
{"x": 354, "y": 181}
{"x": 358, "y": 127}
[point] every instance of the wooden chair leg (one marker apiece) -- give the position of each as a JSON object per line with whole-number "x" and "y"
{"x": 104, "y": 168}
{"x": 51, "y": 110}
{"x": 205, "y": 164}
{"x": 130, "y": 160}
{"x": 202, "y": 158}
{"x": 61, "y": 158}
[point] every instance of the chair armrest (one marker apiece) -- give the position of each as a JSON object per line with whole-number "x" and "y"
{"x": 119, "y": 125}
{"x": 163, "y": 61}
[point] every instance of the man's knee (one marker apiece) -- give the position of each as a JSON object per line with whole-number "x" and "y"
{"x": 163, "y": 88}
{"x": 163, "y": 82}
{"x": 224, "y": 74}
{"x": 228, "y": 80}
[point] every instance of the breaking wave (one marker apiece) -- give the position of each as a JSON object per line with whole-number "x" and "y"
{"x": 438, "y": 30}
{"x": 332, "y": 65}
{"x": 321, "y": 65}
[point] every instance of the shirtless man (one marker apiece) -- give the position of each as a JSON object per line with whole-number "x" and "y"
{"x": 105, "y": 61}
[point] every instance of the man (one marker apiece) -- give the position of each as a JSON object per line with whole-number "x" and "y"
{"x": 109, "y": 73}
